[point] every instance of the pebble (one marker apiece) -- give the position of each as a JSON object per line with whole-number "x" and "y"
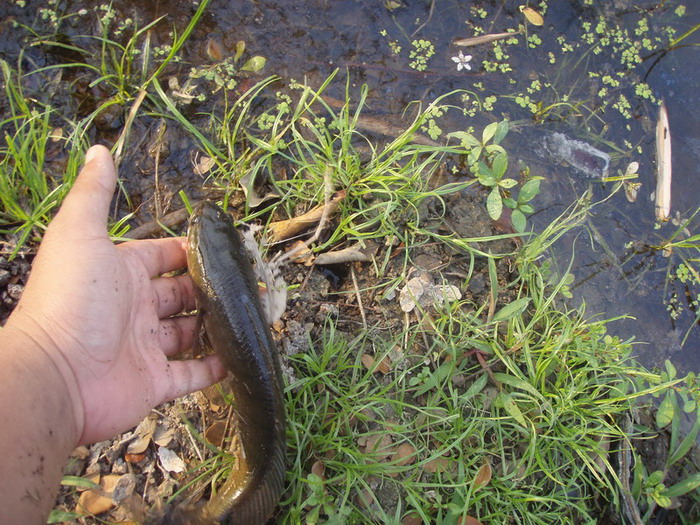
{"x": 5, "y": 277}
{"x": 15, "y": 291}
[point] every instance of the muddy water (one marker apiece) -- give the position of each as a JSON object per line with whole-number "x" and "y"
{"x": 616, "y": 272}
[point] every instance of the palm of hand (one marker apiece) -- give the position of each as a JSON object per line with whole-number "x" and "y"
{"x": 103, "y": 315}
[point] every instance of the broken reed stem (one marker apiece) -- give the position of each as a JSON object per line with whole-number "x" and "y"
{"x": 326, "y": 210}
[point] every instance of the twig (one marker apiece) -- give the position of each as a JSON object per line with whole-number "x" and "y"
{"x": 430, "y": 16}
{"x": 119, "y": 145}
{"x": 150, "y": 228}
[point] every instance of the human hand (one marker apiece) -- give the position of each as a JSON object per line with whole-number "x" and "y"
{"x": 102, "y": 313}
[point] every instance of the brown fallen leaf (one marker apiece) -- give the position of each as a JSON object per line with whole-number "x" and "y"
{"x": 468, "y": 520}
{"x": 412, "y": 519}
{"x": 282, "y": 230}
{"x": 439, "y": 464}
{"x": 215, "y": 50}
{"x": 384, "y": 366}
{"x": 483, "y": 476}
{"x": 301, "y": 254}
{"x": 95, "y": 501}
{"x": 379, "y": 446}
{"x": 133, "y": 458}
{"x": 215, "y": 433}
{"x": 483, "y": 39}
{"x": 319, "y": 469}
{"x": 142, "y": 436}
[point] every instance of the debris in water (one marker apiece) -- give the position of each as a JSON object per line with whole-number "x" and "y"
{"x": 663, "y": 166}
{"x": 483, "y": 39}
{"x": 588, "y": 161}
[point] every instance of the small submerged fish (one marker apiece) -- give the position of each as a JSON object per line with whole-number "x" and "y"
{"x": 229, "y": 304}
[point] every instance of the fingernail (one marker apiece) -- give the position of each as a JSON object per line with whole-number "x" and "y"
{"x": 91, "y": 154}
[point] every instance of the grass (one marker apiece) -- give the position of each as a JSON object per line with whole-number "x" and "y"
{"x": 509, "y": 409}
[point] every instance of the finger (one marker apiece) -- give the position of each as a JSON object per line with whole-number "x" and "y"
{"x": 185, "y": 377}
{"x": 86, "y": 207}
{"x": 159, "y": 256}
{"x": 177, "y": 334}
{"x": 173, "y": 295}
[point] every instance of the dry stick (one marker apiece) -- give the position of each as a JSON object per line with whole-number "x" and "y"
{"x": 359, "y": 297}
{"x": 150, "y": 228}
{"x": 160, "y": 132}
{"x": 328, "y": 187}
{"x": 119, "y": 145}
{"x": 430, "y": 16}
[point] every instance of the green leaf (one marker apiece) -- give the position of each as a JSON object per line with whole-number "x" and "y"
{"x": 489, "y": 132}
{"x": 500, "y": 165}
{"x": 529, "y": 190}
{"x": 683, "y": 487}
{"x": 655, "y": 478}
{"x": 255, "y": 64}
{"x": 511, "y": 203}
{"x": 670, "y": 369}
{"x": 665, "y": 413}
{"x": 494, "y": 204}
{"x": 76, "y": 481}
{"x": 507, "y": 183}
{"x": 511, "y": 408}
{"x": 685, "y": 445}
{"x": 60, "y": 516}
{"x": 467, "y": 139}
{"x": 526, "y": 208}
{"x": 476, "y": 387}
{"x": 518, "y": 220}
{"x": 511, "y": 310}
{"x": 474, "y": 155}
{"x": 518, "y": 383}
{"x": 501, "y": 132}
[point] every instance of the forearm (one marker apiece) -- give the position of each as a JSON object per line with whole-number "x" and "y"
{"x": 37, "y": 429}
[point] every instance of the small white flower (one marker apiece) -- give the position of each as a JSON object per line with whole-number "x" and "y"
{"x": 462, "y": 61}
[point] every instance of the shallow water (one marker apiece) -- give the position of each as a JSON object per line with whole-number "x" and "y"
{"x": 615, "y": 272}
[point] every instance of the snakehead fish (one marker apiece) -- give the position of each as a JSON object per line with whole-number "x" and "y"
{"x": 228, "y": 301}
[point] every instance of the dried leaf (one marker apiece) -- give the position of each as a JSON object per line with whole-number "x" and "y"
{"x": 56, "y": 134}
{"x": 411, "y": 294}
{"x": 436, "y": 465}
{"x": 663, "y": 166}
{"x": 170, "y": 461}
{"x": 142, "y": 436}
{"x": 204, "y": 164}
{"x": 215, "y": 433}
{"x": 405, "y": 454}
{"x": 379, "y": 446}
{"x": 319, "y": 469}
{"x": 302, "y": 254}
{"x": 367, "y": 360}
{"x": 133, "y": 458}
{"x": 483, "y": 476}
{"x": 468, "y": 520}
{"x": 163, "y": 435}
{"x": 532, "y": 16}
{"x": 483, "y": 39}
{"x": 412, "y": 519}
{"x": 98, "y": 501}
{"x": 215, "y": 50}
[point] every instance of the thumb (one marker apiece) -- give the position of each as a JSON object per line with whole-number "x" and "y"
{"x": 86, "y": 207}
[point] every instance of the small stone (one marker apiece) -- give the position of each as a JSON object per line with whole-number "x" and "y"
{"x": 15, "y": 291}
{"x": 5, "y": 277}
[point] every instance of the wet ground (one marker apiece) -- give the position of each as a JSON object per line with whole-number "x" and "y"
{"x": 615, "y": 268}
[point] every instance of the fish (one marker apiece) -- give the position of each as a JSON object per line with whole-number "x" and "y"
{"x": 234, "y": 323}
